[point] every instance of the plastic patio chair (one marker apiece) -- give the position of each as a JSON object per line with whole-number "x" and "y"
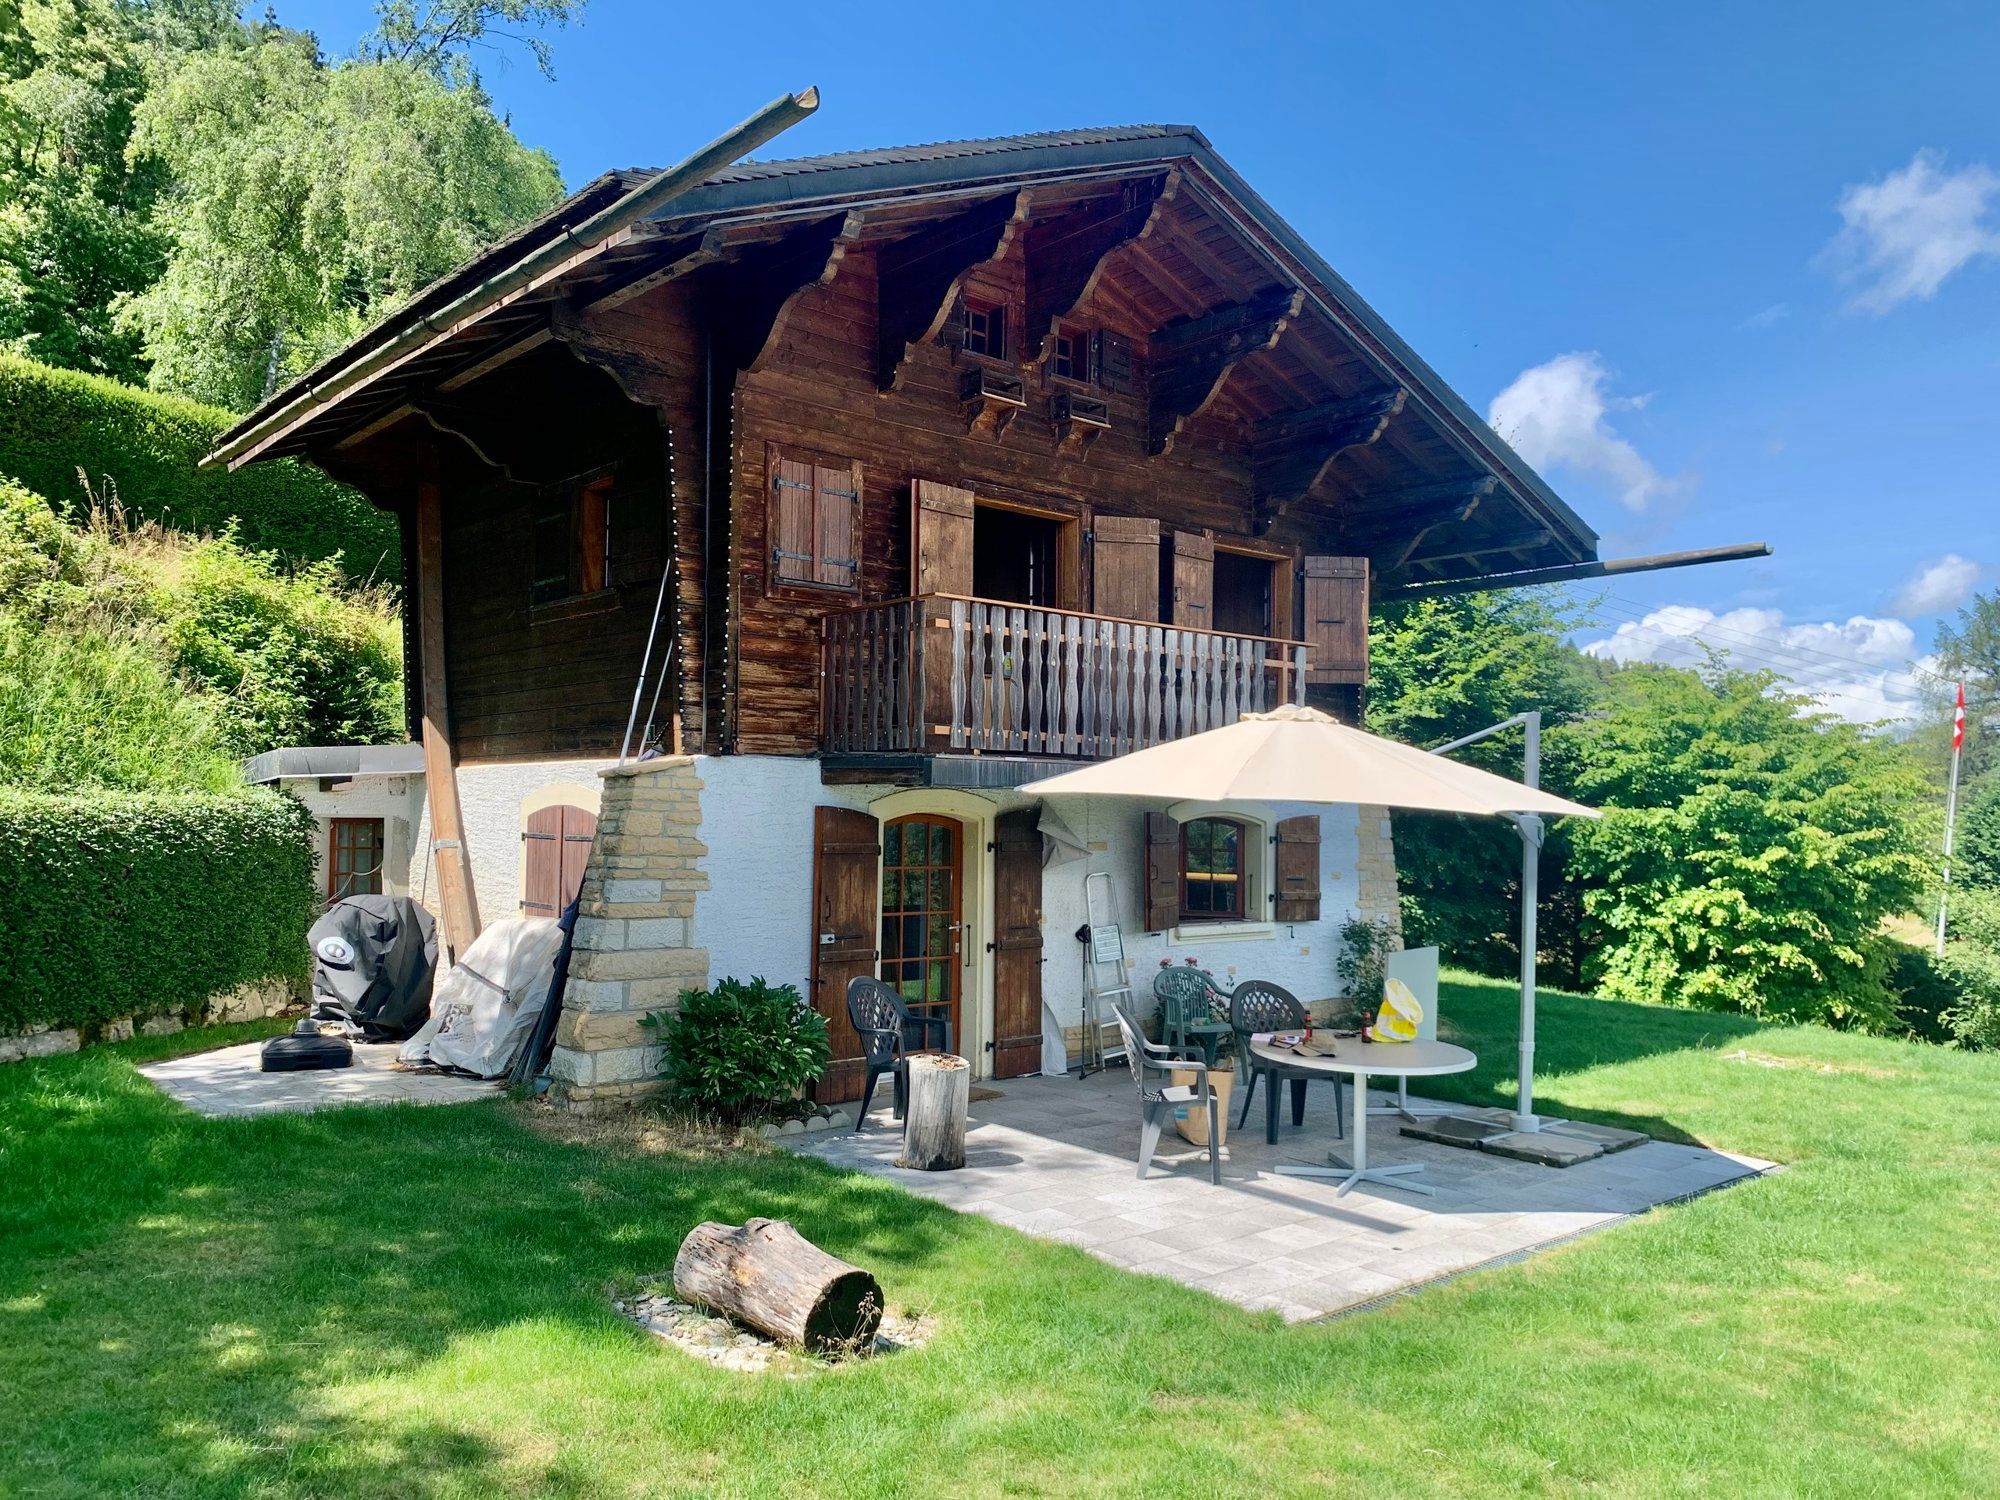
{"x": 888, "y": 1033}
{"x": 1159, "y": 1096}
{"x": 1257, "y": 1005}
{"x": 1188, "y": 1010}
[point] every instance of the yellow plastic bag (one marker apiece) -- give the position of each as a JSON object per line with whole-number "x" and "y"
{"x": 1400, "y": 1014}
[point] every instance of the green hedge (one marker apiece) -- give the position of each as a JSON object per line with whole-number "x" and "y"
{"x": 122, "y": 904}
{"x": 54, "y": 422}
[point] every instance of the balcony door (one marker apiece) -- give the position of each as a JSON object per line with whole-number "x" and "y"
{"x": 923, "y": 922}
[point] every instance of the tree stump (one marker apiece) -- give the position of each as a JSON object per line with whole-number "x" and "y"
{"x": 934, "y": 1126}
{"x": 768, "y": 1275}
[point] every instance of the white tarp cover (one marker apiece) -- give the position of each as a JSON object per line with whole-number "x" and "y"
{"x": 484, "y": 1008}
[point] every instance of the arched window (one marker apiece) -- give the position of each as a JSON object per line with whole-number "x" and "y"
{"x": 1213, "y": 884}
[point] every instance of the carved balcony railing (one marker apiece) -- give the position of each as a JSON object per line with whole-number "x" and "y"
{"x": 943, "y": 674}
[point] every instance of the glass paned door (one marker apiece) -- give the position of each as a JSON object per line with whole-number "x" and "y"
{"x": 921, "y": 905}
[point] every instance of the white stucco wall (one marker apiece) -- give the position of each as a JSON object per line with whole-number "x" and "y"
{"x": 396, "y": 800}
{"x": 756, "y": 916}
{"x": 490, "y": 800}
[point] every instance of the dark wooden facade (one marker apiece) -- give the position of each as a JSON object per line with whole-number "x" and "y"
{"x": 1052, "y": 448}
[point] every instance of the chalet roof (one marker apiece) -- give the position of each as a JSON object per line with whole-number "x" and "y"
{"x": 754, "y": 192}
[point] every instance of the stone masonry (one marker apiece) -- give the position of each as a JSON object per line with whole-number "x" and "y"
{"x": 634, "y": 949}
{"x": 1375, "y": 867}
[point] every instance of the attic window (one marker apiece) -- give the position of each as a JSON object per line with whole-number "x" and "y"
{"x": 573, "y": 538}
{"x": 985, "y": 328}
{"x": 1071, "y": 357}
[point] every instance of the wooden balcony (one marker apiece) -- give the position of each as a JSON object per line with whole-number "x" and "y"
{"x": 941, "y": 674}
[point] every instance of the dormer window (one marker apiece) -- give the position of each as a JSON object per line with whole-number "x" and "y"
{"x": 1070, "y": 359}
{"x": 986, "y": 328}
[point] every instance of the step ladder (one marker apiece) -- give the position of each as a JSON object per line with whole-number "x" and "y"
{"x": 1107, "y": 981}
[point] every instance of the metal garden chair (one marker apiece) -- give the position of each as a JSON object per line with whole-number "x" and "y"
{"x": 1159, "y": 1096}
{"x": 1257, "y": 1005}
{"x": 888, "y": 1034}
{"x": 1193, "y": 1010}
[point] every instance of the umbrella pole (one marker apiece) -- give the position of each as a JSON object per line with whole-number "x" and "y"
{"x": 1530, "y": 828}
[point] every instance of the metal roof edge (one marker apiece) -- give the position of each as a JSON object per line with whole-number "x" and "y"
{"x": 309, "y": 762}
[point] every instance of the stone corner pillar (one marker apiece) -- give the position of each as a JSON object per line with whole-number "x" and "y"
{"x": 634, "y": 949}
{"x": 1375, "y": 868}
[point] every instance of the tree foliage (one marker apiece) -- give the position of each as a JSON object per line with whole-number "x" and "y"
{"x": 1968, "y": 651}
{"x": 440, "y": 35}
{"x": 1749, "y": 850}
{"x": 1976, "y": 844}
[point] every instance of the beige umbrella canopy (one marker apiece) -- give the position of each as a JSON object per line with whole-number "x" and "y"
{"x": 1297, "y": 754}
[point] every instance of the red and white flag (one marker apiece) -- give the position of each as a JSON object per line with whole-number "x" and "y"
{"x": 1958, "y": 721}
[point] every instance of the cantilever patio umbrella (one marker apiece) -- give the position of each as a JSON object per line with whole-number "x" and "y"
{"x": 1297, "y": 754}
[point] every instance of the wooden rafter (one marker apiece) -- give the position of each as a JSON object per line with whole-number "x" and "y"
{"x": 1066, "y": 254}
{"x": 1041, "y": 324}
{"x": 1190, "y": 361}
{"x": 1405, "y": 518}
{"x": 758, "y": 289}
{"x": 679, "y": 258}
{"x": 920, "y": 276}
{"x": 827, "y": 258}
{"x": 1291, "y": 452}
{"x": 1466, "y": 551}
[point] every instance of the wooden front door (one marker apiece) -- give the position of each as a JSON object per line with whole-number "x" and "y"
{"x": 846, "y": 850}
{"x": 555, "y": 847}
{"x": 1017, "y": 944}
{"x": 923, "y": 906}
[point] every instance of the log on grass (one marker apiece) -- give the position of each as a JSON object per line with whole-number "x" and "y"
{"x": 934, "y": 1127}
{"x": 768, "y": 1275}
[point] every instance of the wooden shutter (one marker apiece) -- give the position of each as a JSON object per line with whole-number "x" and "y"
{"x": 1125, "y": 557}
{"x": 1297, "y": 872}
{"x": 551, "y": 545}
{"x": 837, "y": 525}
{"x": 1162, "y": 882}
{"x": 847, "y": 862}
{"x": 1194, "y": 580}
{"x": 541, "y": 874}
{"x": 791, "y": 519}
{"x": 940, "y": 538}
{"x": 579, "y": 832}
{"x": 1017, "y": 944}
{"x": 591, "y": 511}
{"x": 1336, "y": 621}
{"x": 1114, "y": 363}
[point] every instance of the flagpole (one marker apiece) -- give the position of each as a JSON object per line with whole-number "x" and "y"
{"x": 1951, "y": 810}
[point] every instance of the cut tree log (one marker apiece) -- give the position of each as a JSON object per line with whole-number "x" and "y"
{"x": 934, "y": 1128}
{"x": 768, "y": 1275}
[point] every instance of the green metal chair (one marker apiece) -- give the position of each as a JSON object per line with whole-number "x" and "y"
{"x": 1194, "y": 1010}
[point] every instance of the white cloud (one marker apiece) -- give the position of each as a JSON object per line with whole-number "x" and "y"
{"x": 1769, "y": 317}
{"x": 1864, "y": 670}
{"x": 1938, "y": 586}
{"x": 1902, "y": 237}
{"x": 1555, "y": 416}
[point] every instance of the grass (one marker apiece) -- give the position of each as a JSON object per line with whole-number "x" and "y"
{"x": 412, "y": 1302}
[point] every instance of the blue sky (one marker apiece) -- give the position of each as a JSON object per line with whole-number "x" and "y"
{"x": 1731, "y": 272}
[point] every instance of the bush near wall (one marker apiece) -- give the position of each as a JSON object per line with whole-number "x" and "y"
{"x": 143, "y": 904}
{"x": 55, "y": 422}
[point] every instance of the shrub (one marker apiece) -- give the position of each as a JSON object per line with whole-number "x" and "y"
{"x": 121, "y": 904}
{"x": 742, "y": 1051}
{"x": 1365, "y": 946}
{"x": 1971, "y": 966}
{"x": 54, "y": 423}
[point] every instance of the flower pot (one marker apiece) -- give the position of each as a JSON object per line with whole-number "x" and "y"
{"x": 1191, "y": 1120}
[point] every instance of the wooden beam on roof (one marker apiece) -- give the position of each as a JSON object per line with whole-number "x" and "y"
{"x": 1190, "y": 361}
{"x": 1616, "y": 567}
{"x": 679, "y": 258}
{"x": 1291, "y": 452}
{"x": 1461, "y": 551}
{"x": 1401, "y": 520}
{"x": 508, "y": 352}
{"x": 1067, "y": 254}
{"x": 920, "y": 276}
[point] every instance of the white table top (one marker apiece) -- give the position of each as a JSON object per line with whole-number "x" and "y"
{"x": 1352, "y": 1055}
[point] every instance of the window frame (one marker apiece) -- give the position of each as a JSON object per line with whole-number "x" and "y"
{"x": 1245, "y": 832}
{"x": 1081, "y": 356}
{"x": 997, "y": 319}
{"x": 578, "y": 491}
{"x": 380, "y": 849}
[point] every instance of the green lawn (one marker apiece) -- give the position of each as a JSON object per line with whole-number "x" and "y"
{"x": 413, "y": 1302}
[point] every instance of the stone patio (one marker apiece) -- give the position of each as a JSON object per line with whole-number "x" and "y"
{"x": 228, "y": 1082}
{"x": 1057, "y": 1157}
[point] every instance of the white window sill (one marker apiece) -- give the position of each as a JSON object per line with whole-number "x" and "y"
{"x": 1221, "y": 932}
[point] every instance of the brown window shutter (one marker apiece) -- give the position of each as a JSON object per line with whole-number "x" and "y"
{"x": 1336, "y": 600}
{"x": 1297, "y": 870}
{"x": 1163, "y": 872}
{"x": 1125, "y": 560}
{"x": 1194, "y": 580}
{"x": 579, "y": 831}
{"x": 541, "y": 876}
{"x": 791, "y": 519}
{"x": 1017, "y": 944}
{"x": 1114, "y": 362}
{"x": 941, "y": 538}
{"x": 837, "y": 526}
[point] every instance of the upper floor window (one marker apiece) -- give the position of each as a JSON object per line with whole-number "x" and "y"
{"x": 985, "y": 328}
{"x": 1070, "y": 359}
{"x": 815, "y": 520}
{"x": 1214, "y": 885}
{"x": 572, "y": 542}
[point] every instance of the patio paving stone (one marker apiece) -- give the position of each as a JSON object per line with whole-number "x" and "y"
{"x": 230, "y": 1081}
{"x": 1058, "y": 1157}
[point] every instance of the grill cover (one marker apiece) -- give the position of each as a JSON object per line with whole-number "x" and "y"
{"x": 373, "y": 960}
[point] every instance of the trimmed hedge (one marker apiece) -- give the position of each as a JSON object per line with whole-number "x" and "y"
{"x": 54, "y": 422}
{"x": 141, "y": 904}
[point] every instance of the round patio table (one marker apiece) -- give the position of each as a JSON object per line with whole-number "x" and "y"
{"x": 1364, "y": 1060}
